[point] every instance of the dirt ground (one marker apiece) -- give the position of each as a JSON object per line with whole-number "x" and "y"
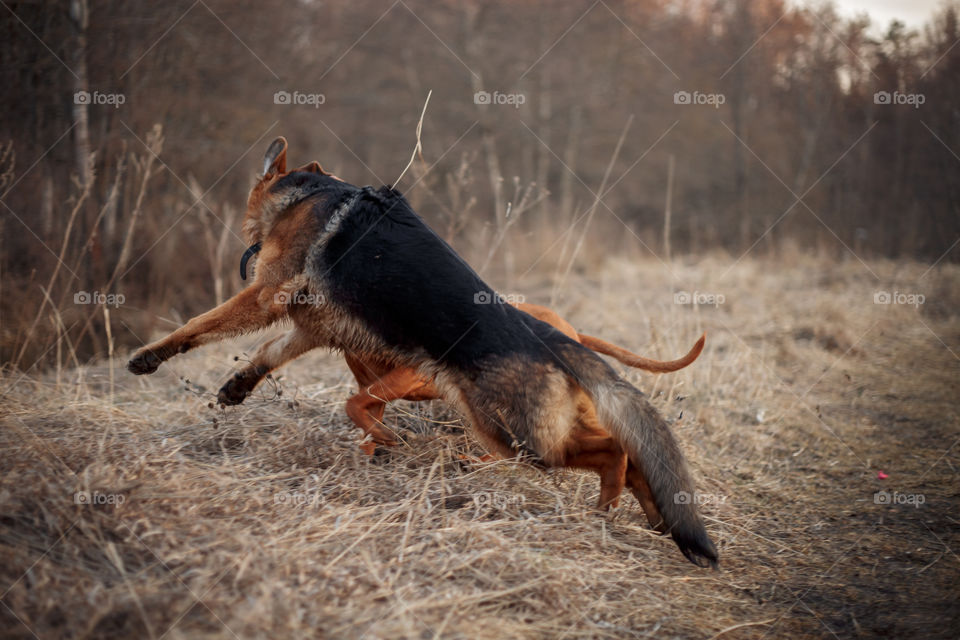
{"x": 132, "y": 507}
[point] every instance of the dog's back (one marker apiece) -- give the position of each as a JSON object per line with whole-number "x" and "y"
{"x": 387, "y": 267}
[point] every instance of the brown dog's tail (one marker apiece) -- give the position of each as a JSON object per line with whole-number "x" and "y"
{"x": 625, "y": 412}
{"x": 633, "y": 360}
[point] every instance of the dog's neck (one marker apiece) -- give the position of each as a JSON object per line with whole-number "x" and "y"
{"x": 258, "y": 228}
{"x": 269, "y": 215}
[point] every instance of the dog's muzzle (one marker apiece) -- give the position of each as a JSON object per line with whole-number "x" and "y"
{"x": 249, "y": 253}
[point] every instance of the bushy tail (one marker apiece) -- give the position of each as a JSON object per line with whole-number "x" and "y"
{"x": 625, "y": 412}
{"x": 633, "y": 360}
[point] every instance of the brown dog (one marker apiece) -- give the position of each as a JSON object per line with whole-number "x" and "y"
{"x": 358, "y": 271}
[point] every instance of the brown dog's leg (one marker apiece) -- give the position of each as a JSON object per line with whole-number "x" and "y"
{"x": 603, "y": 455}
{"x": 589, "y": 446}
{"x": 366, "y": 407}
{"x": 271, "y": 355}
{"x": 253, "y": 308}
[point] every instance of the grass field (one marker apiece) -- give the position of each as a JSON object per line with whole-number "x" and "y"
{"x": 266, "y": 521}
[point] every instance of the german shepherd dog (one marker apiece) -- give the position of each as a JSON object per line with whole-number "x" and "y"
{"x": 380, "y": 383}
{"x": 357, "y": 270}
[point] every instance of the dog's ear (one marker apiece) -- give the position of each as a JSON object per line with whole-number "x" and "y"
{"x": 314, "y": 167}
{"x": 275, "y": 159}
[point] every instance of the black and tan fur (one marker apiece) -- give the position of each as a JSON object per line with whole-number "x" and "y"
{"x": 382, "y": 282}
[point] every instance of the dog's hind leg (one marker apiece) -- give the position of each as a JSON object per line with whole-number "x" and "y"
{"x": 271, "y": 355}
{"x": 605, "y": 456}
{"x": 641, "y": 490}
{"x": 366, "y": 408}
{"x": 589, "y": 446}
{"x": 253, "y": 308}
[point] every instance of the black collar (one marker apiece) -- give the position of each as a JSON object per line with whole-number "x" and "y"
{"x": 249, "y": 253}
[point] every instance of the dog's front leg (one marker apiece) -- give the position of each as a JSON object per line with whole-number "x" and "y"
{"x": 253, "y": 308}
{"x": 269, "y": 356}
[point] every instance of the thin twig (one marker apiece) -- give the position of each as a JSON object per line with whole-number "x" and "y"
{"x": 593, "y": 209}
{"x": 740, "y": 626}
{"x": 155, "y": 144}
{"x": 56, "y": 270}
{"x": 418, "y": 149}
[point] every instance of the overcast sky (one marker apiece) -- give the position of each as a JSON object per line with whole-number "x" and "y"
{"x": 913, "y": 12}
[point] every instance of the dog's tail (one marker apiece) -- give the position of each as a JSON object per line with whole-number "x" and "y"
{"x": 625, "y": 412}
{"x": 633, "y": 360}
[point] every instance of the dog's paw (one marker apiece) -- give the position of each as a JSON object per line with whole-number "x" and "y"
{"x": 233, "y": 392}
{"x": 144, "y": 362}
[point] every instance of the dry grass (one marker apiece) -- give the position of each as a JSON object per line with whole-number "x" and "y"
{"x": 265, "y": 521}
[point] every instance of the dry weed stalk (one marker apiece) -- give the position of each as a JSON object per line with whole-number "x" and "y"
{"x": 64, "y": 246}
{"x": 562, "y": 279}
{"x": 145, "y": 165}
{"x": 526, "y": 198}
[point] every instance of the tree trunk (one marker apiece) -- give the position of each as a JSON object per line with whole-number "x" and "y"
{"x": 79, "y": 14}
